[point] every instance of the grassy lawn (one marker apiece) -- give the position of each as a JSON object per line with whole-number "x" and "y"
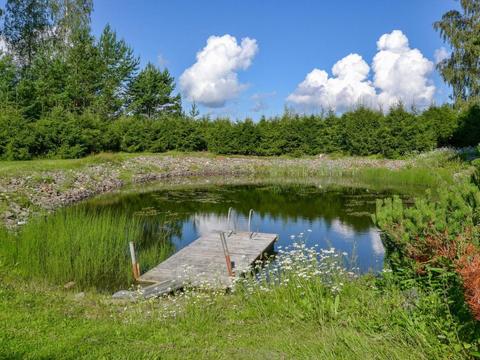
{"x": 362, "y": 322}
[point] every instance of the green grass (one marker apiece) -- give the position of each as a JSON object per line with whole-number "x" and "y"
{"x": 304, "y": 319}
{"x": 368, "y": 318}
{"x": 89, "y": 248}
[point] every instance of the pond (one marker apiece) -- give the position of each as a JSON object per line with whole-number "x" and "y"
{"x": 320, "y": 217}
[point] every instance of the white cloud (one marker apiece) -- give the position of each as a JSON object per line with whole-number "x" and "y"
{"x": 440, "y": 55}
{"x": 213, "y": 80}
{"x": 206, "y": 224}
{"x": 347, "y": 88}
{"x": 400, "y": 74}
{"x": 376, "y": 241}
{"x": 343, "y": 229}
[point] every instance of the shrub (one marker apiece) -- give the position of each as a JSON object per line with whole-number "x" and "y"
{"x": 16, "y": 138}
{"x": 443, "y": 121}
{"x": 361, "y": 131}
{"x": 437, "y": 239}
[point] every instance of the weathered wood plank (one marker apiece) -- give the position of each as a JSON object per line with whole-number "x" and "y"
{"x": 203, "y": 261}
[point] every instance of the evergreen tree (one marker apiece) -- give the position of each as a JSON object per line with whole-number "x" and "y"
{"x": 461, "y": 30}
{"x": 83, "y": 78}
{"x": 118, "y": 65}
{"x": 150, "y": 93}
{"x": 8, "y": 80}
{"x": 361, "y": 131}
{"x": 194, "y": 112}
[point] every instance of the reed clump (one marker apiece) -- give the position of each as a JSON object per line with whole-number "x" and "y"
{"x": 88, "y": 248}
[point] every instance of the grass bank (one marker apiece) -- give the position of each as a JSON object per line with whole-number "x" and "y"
{"x": 35, "y": 187}
{"x": 308, "y": 313}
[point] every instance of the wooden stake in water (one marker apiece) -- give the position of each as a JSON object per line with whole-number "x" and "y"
{"x": 135, "y": 265}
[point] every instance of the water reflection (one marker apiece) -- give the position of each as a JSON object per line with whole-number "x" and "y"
{"x": 339, "y": 218}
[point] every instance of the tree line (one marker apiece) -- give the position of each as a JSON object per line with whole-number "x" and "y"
{"x": 360, "y": 132}
{"x": 65, "y": 93}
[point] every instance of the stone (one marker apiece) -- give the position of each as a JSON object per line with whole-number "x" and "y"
{"x": 69, "y": 285}
{"x": 125, "y": 295}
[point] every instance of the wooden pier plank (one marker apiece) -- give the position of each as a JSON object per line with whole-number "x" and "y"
{"x": 203, "y": 262}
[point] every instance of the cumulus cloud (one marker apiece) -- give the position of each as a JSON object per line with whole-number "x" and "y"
{"x": 348, "y": 87}
{"x": 441, "y": 54}
{"x": 400, "y": 74}
{"x": 376, "y": 241}
{"x": 205, "y": 224}
{"x": 213, "y": 79}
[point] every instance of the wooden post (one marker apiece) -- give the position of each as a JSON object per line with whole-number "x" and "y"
{"x": 250, "y": 214}
{"x": 135, "y": 265}
{"x": 228, "y": 260}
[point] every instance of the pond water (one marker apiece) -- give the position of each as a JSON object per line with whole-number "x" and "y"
{"x": 322, "y": 217}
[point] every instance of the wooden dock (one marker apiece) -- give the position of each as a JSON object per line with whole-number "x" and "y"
{"x": 203, "y": 263}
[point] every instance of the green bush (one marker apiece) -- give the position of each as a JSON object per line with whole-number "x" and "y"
{"x": 67, "y": 135}
{"x": 362, "y": 132}
{"x": 16, "y": 136}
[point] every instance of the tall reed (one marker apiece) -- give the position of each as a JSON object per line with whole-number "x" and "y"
{"x": 89, "y": 248}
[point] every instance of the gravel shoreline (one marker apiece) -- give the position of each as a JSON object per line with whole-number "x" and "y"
{"x": 43, "y": 191}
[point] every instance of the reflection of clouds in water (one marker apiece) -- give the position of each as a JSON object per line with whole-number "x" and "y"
{"x": 377, "y": 245}
{"x": 207, "y": 223}
{"x": 343, "y": 229}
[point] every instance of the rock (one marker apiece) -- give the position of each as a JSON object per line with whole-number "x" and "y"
{"x": 125, "y": 295}
{"x": 69, "y": 285}
{"x": 79, "y": 296}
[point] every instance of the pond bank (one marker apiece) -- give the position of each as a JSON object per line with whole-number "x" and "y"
{"x": 35, "y": 187}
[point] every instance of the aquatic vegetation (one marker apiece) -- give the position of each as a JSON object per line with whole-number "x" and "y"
{"x": 89, "y": 249}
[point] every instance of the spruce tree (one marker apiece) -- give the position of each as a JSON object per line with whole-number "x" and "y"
{"x": 151, "y": 93}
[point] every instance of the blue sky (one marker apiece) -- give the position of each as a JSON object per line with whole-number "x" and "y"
{"x": 292, "y": 38}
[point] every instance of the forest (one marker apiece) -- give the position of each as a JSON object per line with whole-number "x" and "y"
{"x": 67, "y": 94}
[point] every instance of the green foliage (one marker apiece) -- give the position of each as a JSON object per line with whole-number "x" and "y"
{"x": 8, "y": 80}
{"x": 461, "y": 30}
{"x": 409, "y": 230}
{"x": 68, "y": 135}
{"x": 150, "y": 93}
{"x": 85, "y": 247}
{"x": 429, "y": 243}
{"x": 401, "y": 133}
{"x": 468, "y": 131}
{"x": 443, "y": 120}
{"x": 362, "y": 131}
{"x": 16, "y": 137}
{"x": 118, "y": 68}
